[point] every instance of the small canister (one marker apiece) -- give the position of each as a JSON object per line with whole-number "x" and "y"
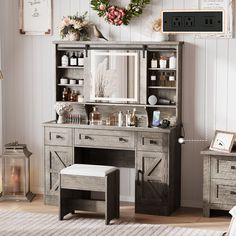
{"x": 81, "y": 82}
{"x": 72, "y": 81}
{"x": 63, "y": 80}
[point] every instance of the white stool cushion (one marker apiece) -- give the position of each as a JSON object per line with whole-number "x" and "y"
{"x": 88, "y": 170}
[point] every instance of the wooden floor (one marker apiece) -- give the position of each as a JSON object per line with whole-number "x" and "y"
{"x": 183, "y": 217}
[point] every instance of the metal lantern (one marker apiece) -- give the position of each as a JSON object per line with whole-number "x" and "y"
{"x": 15, "y": 173}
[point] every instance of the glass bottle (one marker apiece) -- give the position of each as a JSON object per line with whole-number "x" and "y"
{"x": 172, "y": 61}
{"x": 128, "y": 119}
{"x": 73, "y": 96}
{"x": 133, "y": 120}
{"x": 172, "y": 80}
{"x": 65, "y": 60}
{"x": 168, "y": 81}
{"x": 81, "y": 59}
{"x": 73, "y": 60}
{"x": 120, "y": 119}
{"x": 163, "y": 62}
{"x": 154, "y": 61}
{"x": 94, "y": 117}
{"x": 65, "y": 95}
{"x": 162, "y": 79}
{"x": 153, "y": 79}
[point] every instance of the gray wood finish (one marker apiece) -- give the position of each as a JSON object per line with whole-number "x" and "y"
{"x": 219, "y": 181}
{"x": 152, "y": 182}
{"x": 71, "y": 194}
{"x": 56, "y": 158}
{"x": 58, "y": 136}
{"x": 153, "y": 152}
{"x": 99, "y": 138}
{"x": 152, "y": 142}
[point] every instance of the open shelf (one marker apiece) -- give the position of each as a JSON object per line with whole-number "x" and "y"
{"x": 70, "y": 67}
{"x": 161, "y": 87}
{"x": 162, "y": 69}
{"x": 70, "y": 85}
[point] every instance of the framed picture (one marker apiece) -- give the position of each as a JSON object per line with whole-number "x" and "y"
{"x": 223, "y": 141}
{"x": 227, "y": 7}
{"x": 35, "y": 17}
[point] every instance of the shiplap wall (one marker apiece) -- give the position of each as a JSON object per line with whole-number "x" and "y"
{"x": 209, "y": 85}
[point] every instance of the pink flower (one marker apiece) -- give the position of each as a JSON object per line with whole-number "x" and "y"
{"x": 102, "y": 7}
{"x": 111, "y": 8}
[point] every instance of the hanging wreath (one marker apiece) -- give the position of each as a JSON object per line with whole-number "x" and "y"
{"x": 116, "y": 15}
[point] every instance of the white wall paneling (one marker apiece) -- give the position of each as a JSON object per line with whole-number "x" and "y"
{"x": 28, "y": 95}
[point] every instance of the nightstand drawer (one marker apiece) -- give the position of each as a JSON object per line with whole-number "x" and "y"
{"x": 223, "y": 192}
{"x": 223, "y": 168}
{"x": 152, "y": 142}
{"x": 102, "y": 138}
{"x": 58, "y": 136}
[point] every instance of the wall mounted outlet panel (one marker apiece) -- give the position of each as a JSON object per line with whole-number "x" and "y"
{"x": 200, "y": 21}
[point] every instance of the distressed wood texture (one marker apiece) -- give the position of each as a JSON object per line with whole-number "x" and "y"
{"x": 219, "y": 181}
{"x": 73, "y": 189}
{"x": 56, "y": 158}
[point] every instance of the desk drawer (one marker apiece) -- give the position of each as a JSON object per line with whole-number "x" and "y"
{"x": 58, "y": 136}
{"x": 223, "y": 168}
{"x": 153, "y": 141}
{"x": 100, "y": 138}
{"x": 223, "y": 192}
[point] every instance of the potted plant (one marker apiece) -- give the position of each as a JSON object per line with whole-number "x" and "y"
{"x": 75, "y": 27}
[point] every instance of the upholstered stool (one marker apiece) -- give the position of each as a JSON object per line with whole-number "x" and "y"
{"x": 78, "y": 181}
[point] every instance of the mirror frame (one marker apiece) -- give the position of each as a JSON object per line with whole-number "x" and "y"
{"x": 136, "y": 77}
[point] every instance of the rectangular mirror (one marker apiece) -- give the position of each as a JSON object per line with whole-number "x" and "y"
{"x": 114, "y": 76}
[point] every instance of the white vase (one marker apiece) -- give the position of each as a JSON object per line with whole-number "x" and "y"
{"x": 159, "y": 37}
{"x": 74, "y": 36}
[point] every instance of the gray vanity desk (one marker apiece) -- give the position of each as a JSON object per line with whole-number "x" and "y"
{"x": 153, "y": 152}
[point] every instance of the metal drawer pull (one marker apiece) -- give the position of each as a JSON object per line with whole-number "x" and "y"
{"x": 59, "y": 137}
{"x": 88, "y": 137}
{"x": 233, "y": 167}
{"x": 153, "y": 142}
{"x": 233, "y": 192}
{"x": 123, "y": 140}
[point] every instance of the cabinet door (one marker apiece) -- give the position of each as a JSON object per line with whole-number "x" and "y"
{"x": 56, "y": 158}
{"x": 151, "y": 183}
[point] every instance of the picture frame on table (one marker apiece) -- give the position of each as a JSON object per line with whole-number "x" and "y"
{"x": 35, "y": 17}
{"x": 223, "y": 141}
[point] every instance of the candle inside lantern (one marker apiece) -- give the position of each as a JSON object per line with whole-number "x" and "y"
{"x": 15, "y": 179}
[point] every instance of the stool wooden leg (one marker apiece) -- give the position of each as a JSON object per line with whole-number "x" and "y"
{"x": 112, "y": 196}
{"x": 117, "y": 194}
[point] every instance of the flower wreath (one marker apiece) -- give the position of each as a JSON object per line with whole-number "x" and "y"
{"x": 116, "y": 15}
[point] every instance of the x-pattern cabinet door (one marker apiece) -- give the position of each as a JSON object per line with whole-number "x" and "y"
{"x": 151, "y": 179}
{"x": 56, "y": 158}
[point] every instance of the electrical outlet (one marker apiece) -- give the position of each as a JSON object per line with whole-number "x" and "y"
{"x": 193, "y": 21}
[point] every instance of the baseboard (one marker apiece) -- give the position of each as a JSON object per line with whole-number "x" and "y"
{"x": 190, "y": 203}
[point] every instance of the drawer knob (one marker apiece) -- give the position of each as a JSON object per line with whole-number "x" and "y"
{"x": 233, "y": 167}
{"x": 153, "y": 142}
{"x": 123, "y": 140}
{"x": 232, "y": 192}
{"x": 59, "y": 137}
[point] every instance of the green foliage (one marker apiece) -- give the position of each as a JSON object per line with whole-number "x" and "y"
{"x": 134, "y": 9}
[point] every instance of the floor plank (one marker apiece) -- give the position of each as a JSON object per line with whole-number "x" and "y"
{"x": 183, "y": 217}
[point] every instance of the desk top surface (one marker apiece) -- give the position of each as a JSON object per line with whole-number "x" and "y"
{"x": 106, "y": 127}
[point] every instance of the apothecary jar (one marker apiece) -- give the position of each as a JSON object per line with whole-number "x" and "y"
{"x": 15, "y": 173}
